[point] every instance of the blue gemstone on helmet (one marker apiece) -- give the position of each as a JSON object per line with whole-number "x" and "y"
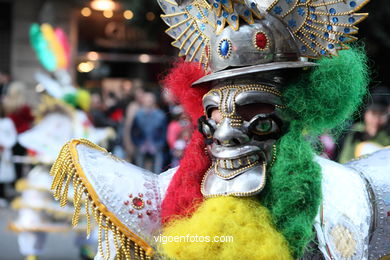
{"x": 246, "y": 12}
{"x": 216, "y": 5}
{"x": 224, "y": 47}
{"x": 200, "y": 38}
{"x": 292, "y": 23}
{"x": 312, "y": 9}
{"x": 302, "y": 1}
{"x": 347, "y": 30}
{"x": 185, "y": 16}
{"x": 202, "y": 27}
{"x": 323, "y": 52}
{"x": 329, "y": 27}
{"x": 352, "y": 4}
{"x": 313, "y": 16}
{"x": 335, "y": 19}
{"x": 307, "y": 27}
{"x": 312, "y": 36}
{"x": 189, "y": 7}
{"x": 199, "y": 15}
{"x": 351, "y": 19}
{"x": 177, "y": 19}
{"x": 309, "y": 22}
{"x": 313, "y": 45}
{"x": 224, "y": 1}
{"x": 332, "y": 11}
{"x": 301, "y": 11}
{"x": 234, "y": 18}
{"x": 330, "y": 46}
{"x": 342, "y": 38}
{"x": 173, "y": 9}
{"x": 219, "y": 22}
{"x": 278, "y": 10}
{"x": 225, "y": 14}
{"x": 303, "y": 48}
{"x": 253, "y": 4}
{"x": 326, "y": 34}
{"x": 288, "y": 1}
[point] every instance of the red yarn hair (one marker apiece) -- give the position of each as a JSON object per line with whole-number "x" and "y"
{"x": 183, "y": 194}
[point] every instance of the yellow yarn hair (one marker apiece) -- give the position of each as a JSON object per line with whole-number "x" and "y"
{"x": 249, "y": 224}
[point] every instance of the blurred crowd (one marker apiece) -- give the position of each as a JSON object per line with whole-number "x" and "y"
{"x": 152, "y": 130}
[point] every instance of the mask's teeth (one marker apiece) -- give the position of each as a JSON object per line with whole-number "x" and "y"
{"x": 237, "y": 163}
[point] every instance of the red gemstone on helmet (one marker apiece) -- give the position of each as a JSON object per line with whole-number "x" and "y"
{"x": 131, "y": 211}
{"x": 148, "y": 212}
{"x": 261, "y": 40}
{"x": 126, "y": 202}
{"x": 149, "y": 202}
{"x": 137, "y": 202}
{"x": 140, "y": 194}
{"x": 140, "y": 215}
{"x": 131, "y": 195}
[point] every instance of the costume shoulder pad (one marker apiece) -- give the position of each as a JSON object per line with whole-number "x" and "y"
{"x": 123, "y": 198}
{"x": 343, "y": 223}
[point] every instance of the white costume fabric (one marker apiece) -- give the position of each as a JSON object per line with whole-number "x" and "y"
{"x": 7, "y": 141}
{"x": 38, "y": 212}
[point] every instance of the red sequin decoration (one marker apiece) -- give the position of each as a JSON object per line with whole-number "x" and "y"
{"x": 140, "y": 194}
{"x": 138, "y": 203}
{"x": 148, "y": 212}
{"x": 126, "y": 202}
{"x": 131, "y": 195}
{"x": 131, "y": 211}
{"x": 261, "y": 40}
{"x": 149, "y": 202}
{"x": 140, "y": 215}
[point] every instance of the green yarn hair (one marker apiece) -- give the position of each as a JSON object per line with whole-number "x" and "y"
{"x": 321, "y": 99}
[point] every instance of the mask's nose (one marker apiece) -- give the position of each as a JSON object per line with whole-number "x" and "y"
{"x": 227, "y": 135}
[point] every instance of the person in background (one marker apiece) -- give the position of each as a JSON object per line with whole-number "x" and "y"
{"x": 370, "y": 135}
{"x": 131, "y": 111}
{"x": 178, "y": 134}
{"x": 7, "y": 141}
{"x": 4, "y": 82}
{"x": 17, "y": 109}
{"x": 148, "y": 133}
{"x": 96, "y": 113}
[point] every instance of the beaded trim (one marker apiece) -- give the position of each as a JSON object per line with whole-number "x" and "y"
{"x": 67, "y": 169}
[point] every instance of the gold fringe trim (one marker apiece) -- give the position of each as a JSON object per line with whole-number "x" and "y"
{"x": 65, "y": 170}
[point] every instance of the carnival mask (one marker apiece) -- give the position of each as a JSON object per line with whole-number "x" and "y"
{"x": 241, "y": 124}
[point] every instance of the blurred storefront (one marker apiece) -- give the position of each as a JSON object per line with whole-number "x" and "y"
{"x": 123, "y": 41}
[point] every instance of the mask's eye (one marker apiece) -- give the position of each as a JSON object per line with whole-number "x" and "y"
{"x": 206, "y": 127}
{"x": 263, "y": 125}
